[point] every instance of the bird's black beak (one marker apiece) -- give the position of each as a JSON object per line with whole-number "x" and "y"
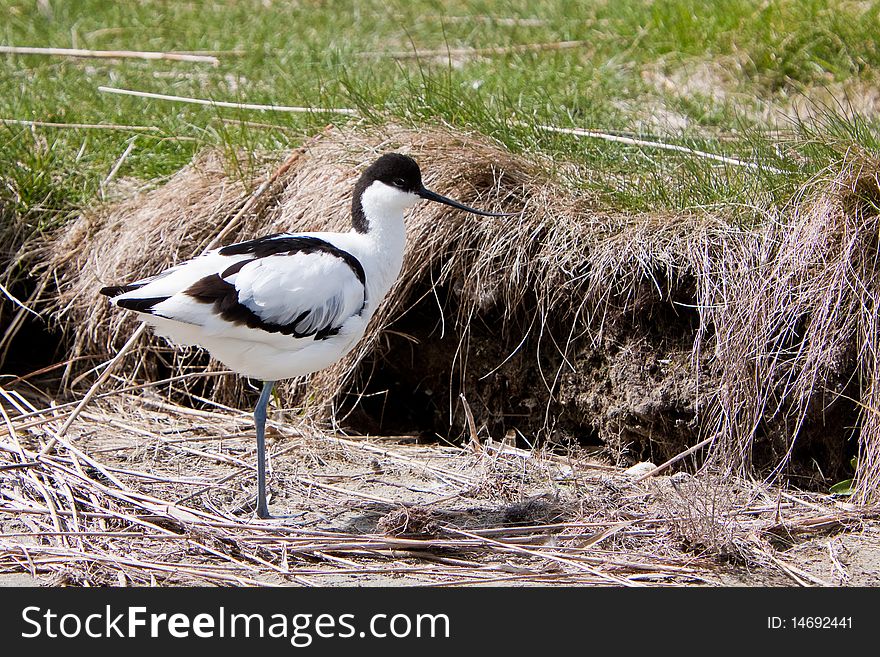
{"x": 428, "y": 195}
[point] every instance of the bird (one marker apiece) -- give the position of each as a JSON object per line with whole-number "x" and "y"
{"x": 288, "y": 304}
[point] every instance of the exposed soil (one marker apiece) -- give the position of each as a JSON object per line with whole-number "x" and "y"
{"x": 636, "y": 390}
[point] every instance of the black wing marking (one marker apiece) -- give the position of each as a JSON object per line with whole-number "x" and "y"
{"x": 116, "y": 290}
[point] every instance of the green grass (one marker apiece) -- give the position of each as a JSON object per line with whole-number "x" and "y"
{"x": 310, "y": 53}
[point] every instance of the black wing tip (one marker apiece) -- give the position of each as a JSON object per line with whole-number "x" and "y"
{"x": 140, "y": 305}
{"x": 116, "y": 290}
{"x": 113, "y": 290}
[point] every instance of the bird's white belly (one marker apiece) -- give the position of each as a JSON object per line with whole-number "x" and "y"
{"x": 273, "y": 359}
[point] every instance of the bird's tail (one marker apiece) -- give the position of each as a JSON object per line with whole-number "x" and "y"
{"x": 138, "y": 304}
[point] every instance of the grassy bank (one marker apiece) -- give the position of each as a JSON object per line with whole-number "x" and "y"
{"x": 731, "y": 78}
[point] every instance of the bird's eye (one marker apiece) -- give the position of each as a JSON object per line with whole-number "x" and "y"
{"x": 398, "y": 182}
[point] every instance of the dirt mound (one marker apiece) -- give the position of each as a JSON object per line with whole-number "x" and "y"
{"x": 643, "y": 334}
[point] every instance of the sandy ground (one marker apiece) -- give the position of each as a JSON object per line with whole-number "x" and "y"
{"x": 19, "y": 579}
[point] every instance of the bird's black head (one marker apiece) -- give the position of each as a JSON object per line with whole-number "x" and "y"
{"x": 400, "y": 172}
{"x": 396, "y": 170}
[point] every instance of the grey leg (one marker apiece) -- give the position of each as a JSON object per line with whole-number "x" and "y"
{"x": 260, "y": 423}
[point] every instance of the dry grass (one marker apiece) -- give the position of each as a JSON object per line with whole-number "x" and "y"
{"x": 798, "y": 309}
{"x": 147, "y": 493}
{"x": 772, "y": 327}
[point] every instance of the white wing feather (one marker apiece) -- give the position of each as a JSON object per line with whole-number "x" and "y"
{"x": 281, "y": 288}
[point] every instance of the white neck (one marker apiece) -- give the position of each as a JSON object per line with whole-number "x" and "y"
{"x": 385, "y": 237}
